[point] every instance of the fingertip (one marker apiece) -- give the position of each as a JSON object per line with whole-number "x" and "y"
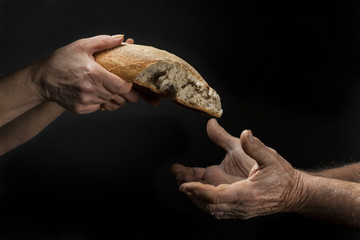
{"x": 125, "y": 87}
{"x": 247, "y": 139}
{"x": 211, "y": 124}
{"x": 250, "y": 136}
{"x": 187, "y": 186}
{"x": 130, "y": 41}
{"x": 133, "y": 96}
{"x": 212, "y": 121}
{"x": 118, "y": 36}
{"x": 247, "y": 135}
{"x": 182, "y": 187}
{"x": 220, "y": 136}
{"x": 175, "y": 168}
{"x": 256, "y": 149}
{"x": 102, "y": 42}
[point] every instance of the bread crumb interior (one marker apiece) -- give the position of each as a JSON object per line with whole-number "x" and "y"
{"x": 180, "y": 84}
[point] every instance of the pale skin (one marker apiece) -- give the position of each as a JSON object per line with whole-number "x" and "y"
{"x": 254, "y": 180}
{"x": 69, "y": 79}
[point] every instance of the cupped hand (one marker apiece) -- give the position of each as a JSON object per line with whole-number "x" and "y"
{"x": 230, "y": 169}
{"x": 252, "y": 180}
{"x": 72, "y": 78}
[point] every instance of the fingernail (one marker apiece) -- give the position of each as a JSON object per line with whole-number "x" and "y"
{"x": 251, "y": 136}
{"x": 118, "y": 36}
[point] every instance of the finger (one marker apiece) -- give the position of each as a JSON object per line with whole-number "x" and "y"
{"x": 228, "y": 211}
{"x": 133, "y": 96}
{"x": 130, "y": 41}
{"x": 187, "y": 174}
{"x": 183, "y": 178}
{"x": 219, "y": 211}
{"x": 118, "y": 100}
{"x": 196, "y": 172}
{"x": 101, "y": 43}
{"x": 106, "y": 81}
{"x": 84, "y": 109}
{"x": 219, "y": 136}
{"x": 256, "y": 149}
{"x": 104, "y": 94}
{"x": 111, "y": 106}
{"x": 209, "y": 193}
{"x": 177, "y": 168}
{"x": 118, "y": 36}
{"x": 113, "y": 83}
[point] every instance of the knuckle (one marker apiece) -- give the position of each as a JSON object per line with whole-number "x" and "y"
{"x": 86, "y": 87}
{"x": 120, "y": 101}
{"x": 85, "y": 91}
{"x": 124, "y": 87}
{"x": 83, "y": 99}
{"x": 107, "y": 95}
{"x": 90, "y": 70}
{"x": 272, "y": 150}
{"x": 119, "y": 87}
{"x": 89, "y": 78}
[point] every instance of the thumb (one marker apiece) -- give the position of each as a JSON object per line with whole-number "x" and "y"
{"x": 253, "y": 147}
{"x": 103, "y": 42}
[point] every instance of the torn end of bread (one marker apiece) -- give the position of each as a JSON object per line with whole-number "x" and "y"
{"x": 163, "y": 73}
{"x": 181, "y": 85}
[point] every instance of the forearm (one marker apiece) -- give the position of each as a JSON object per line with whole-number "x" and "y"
{"x": 17, "y": 94}
{"x": 331, "y": 200}
{"x": 350, "y": 172}
{"x": 28, "y": 125}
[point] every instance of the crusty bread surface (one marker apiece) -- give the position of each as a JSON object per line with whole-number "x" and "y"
{"x": 163, "y": 73}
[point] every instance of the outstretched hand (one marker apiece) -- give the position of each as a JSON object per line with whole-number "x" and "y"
{"x": 252, "y": 180}
{"x": 230, "y": 169}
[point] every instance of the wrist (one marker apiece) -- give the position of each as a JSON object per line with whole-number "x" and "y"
{"x": 36, "y": 76}
{"x": 299, "y": 193}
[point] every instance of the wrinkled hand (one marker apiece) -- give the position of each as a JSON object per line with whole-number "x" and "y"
{"x": 252, "y": 180}
{"x": 72, "y": 78}
{"x": 230, "y": 169}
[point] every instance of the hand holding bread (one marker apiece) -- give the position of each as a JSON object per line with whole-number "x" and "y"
{"x": 162, "y": 73}
{"x": 72, "y": 78}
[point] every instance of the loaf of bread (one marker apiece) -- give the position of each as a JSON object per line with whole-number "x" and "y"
{"x": 163, "y": 73}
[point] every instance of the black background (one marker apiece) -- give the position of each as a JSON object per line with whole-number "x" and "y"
{"x": 286, "y": 70}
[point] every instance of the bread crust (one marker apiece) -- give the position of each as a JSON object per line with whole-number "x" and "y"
{"x": 128, "y": 61}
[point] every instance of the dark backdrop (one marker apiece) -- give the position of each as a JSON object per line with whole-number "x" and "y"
{"x": 287, "y": 71}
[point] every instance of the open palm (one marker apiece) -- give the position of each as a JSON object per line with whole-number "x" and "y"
{"x": 236, "y": 165}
